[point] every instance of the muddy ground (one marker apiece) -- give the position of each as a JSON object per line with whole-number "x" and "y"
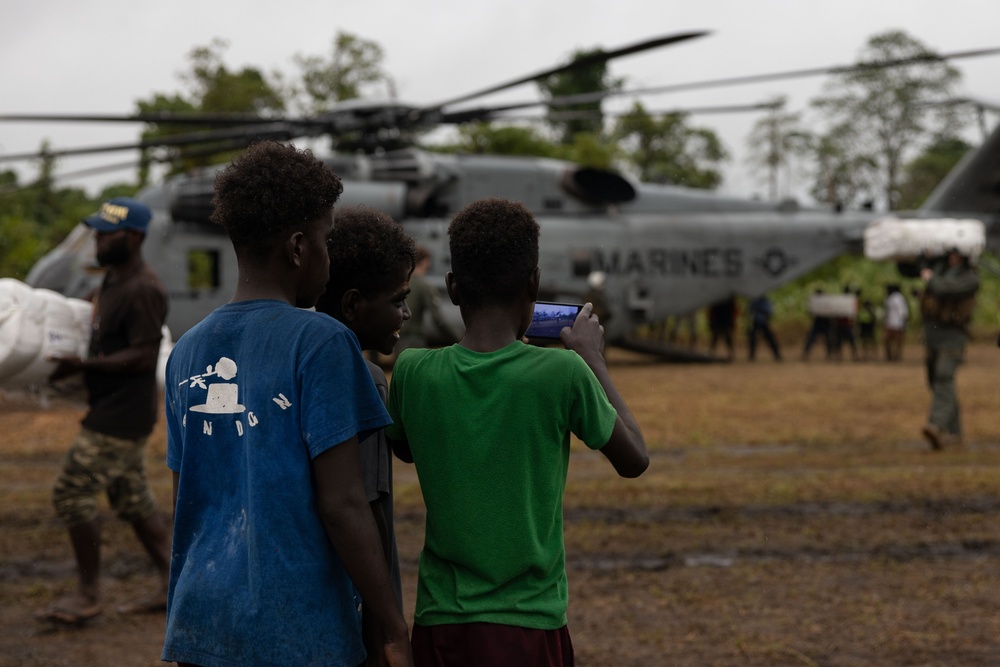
{"x": 791, "y": 516}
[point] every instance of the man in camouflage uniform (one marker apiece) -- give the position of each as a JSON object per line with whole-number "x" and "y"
{"x": 120, "y": 376}
{"x": 946, "y": 306}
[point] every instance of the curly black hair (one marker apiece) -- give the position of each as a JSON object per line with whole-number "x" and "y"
{"x": 272, "y": 188}
{"x": 368, "y": 252}
{"x": 494, "y": 249}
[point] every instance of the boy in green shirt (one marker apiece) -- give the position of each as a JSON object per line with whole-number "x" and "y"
{"x": 487, "y": 422}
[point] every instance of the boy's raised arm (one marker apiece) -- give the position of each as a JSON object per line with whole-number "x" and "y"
{"x": 348, "y": 521}
{"x": 626, "y": 449}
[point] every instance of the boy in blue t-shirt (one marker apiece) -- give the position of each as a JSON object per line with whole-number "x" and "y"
{"x": 371, "y": 261}
{"x": 266, "y": 403}
{"x": 487, "y": 423}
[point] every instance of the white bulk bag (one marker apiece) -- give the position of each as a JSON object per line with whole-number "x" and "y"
{"x": 898, "y": 239}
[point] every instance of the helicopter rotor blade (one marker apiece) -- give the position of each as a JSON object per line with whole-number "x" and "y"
{"x": 242, "y": 135}
{"x": 161, "y": 117}
{"x": 416, "y": 117}
{"x": 695, "y": 111}
{"x": 369, "y": 127}
{"x": 184, "y": 154}
{"x": 485, "y": 113}
{"x": 587, "y": 61}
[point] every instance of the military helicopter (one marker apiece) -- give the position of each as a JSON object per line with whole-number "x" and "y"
{"x": 664, "y": 250}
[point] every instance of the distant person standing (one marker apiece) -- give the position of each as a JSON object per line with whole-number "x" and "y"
{"x": 820, "y": 329}
{"x": 687, "y": 321}
{"x": 120, "y": 376}
{"x": 427, "y": 324}
{"x": 867, "y": 319}
{"x": 897, "y": 313}
{"x": 722, "y": 323}
{"x": 760, "y": 311}
{"x": 843, "y": 328}
{"x": 946, "y": 306}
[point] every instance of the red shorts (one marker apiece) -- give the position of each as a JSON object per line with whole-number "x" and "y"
{"x": 490, "y": 645}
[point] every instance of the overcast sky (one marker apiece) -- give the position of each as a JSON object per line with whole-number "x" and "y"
{"x": 100, "y": 56}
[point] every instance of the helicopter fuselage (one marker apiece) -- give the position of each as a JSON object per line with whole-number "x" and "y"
{"x": 663, "y": 250}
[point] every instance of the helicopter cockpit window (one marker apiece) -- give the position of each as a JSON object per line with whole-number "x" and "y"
{"x": 203, "y": 269}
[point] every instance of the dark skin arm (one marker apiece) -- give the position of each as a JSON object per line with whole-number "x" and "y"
{"x": 348, "y": 521}
{"x": 626, "y": 449}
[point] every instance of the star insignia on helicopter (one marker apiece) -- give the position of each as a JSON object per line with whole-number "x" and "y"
{"x": 774, "y": 261}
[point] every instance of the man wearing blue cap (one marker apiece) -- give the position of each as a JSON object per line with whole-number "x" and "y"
{"x": 120, "y": 376}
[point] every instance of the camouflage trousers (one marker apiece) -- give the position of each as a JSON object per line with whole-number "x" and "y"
{"x": 942, "y": 364}
{"x": 96, "y": 463}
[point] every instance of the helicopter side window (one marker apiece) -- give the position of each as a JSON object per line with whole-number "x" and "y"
{"x": 203, "y": 269}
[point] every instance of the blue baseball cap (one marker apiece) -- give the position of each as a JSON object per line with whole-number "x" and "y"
{"x": 120, "y": 213}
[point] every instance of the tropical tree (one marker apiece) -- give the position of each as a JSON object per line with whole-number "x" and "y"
{"x": 34, "y": 217}
{"x": 775, "y": 141}
{"x": 880, "y": 114}
{"x": 665, "y": 149}
{"x": 923, "y": 173}
{"x": 845, "y": 173}
{"x": 211, "y": 88}
{"x": 570, "y": 120}
{"x": 494, "y": 139}
{"x": 354, "y": 67}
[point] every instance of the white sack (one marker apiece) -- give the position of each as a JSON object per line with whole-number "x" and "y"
{"x": 898, "y": 239}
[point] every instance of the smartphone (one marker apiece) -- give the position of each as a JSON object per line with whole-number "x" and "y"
{"x": 550, "y": 318}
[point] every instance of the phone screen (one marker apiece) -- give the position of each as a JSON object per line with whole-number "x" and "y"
{"x": 549, "y": 319}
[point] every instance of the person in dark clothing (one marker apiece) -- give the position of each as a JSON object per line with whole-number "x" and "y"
{"x": 946, "y": 306}
{"x": 120, "y": 376}
{"x": 867, "y": 319}
{"x": 761, "y": 311}
{"x": 722, "y": 323}
{"x": 371, "y": 262}
{"x": 843, "y": 330}
{"x": 820, "y": 329}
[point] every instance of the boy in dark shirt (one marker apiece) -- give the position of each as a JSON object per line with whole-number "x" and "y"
{"x": 371, "y": 261}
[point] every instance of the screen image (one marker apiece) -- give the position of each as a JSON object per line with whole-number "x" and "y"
{"x": 549, "y": 319}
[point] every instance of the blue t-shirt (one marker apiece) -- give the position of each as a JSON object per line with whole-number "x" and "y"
{"x": 254, "y": 393}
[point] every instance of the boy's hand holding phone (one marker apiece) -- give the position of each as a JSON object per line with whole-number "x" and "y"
{"x": 586, "y": 337}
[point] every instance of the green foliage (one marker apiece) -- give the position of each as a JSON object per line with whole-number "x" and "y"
{"x": 585, "y": 117}
{"x": 212, "y": 88}
{"x": 775, "y": 140}
{"x": 666, "y": 149}
{"x": 34, "y": 219}
{"x": 870, "y": 279}
{"x": 879, "y": 114}
{"x": 490, "y": 139}
{"x": 845, "y": 173}
{"x": 355, "y": 64}
{"x": 590, "y": 150}
{"x": 923, "y": 173}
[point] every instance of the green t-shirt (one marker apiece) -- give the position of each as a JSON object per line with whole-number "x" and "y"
{"x": 490, "y": 436}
